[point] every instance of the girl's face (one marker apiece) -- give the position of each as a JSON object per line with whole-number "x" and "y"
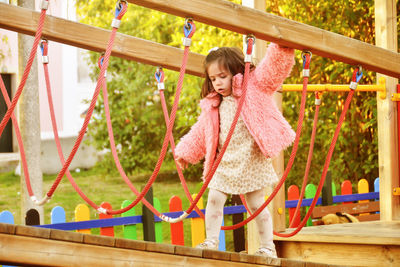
{"x": 220, "y": 78}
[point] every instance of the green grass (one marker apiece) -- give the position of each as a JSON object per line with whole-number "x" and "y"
{"x": 99, "y": 188}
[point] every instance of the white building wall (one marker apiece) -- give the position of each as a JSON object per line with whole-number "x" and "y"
{"x": 68, "y": 92}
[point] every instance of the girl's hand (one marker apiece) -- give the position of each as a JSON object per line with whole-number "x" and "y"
{"x": 183, "y": 164}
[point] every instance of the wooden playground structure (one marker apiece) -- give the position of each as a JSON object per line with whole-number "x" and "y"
{"x": 365, "y": 244}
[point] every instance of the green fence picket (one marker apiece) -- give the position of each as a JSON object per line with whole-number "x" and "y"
{"x": 310, "y": 193}
{"x": 129, "y": 230}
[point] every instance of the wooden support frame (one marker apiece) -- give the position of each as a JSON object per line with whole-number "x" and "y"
{"x": 386, "y": 37}
{"x": 25, "y": 21}
{"x": 283, "y": 31}
{"x": 232, "y": 17}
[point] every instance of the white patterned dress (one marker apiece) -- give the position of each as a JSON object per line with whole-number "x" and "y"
{"x": 243, "y": 167}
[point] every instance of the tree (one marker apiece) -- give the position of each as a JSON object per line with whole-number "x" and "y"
{"x": 136, "y": 111}
{"x": 355, "y": 154}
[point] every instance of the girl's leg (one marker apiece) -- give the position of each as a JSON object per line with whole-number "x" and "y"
{"x": 214, "y": 213}
{"x": 264, "y": 220}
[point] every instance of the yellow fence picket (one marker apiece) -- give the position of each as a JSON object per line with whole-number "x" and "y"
{"x": 363, "y": 187}
{"x": 197, "y": 225}
{"x": 82, "y": 213}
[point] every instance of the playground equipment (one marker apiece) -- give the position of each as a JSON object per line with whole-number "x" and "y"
{"x": 379, "y": 61}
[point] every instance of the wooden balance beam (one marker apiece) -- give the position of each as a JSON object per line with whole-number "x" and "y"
{"x": 26, "y": 245}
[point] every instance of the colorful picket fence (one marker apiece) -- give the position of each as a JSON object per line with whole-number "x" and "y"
{"x": 153, "y": 231}
{"x": 346, "y": 196}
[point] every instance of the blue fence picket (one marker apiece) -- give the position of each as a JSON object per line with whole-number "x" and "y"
{"x": 6, "y": 217}
{"x": 221, "y": 245}
{"x": 58, "y": 215}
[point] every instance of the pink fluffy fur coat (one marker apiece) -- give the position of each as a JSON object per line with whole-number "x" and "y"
{"x": 260, "y": 114}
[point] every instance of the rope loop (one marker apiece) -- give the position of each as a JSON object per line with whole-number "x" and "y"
{"x": 100, "y": 64}
{"x": 120, "y": 9}
{"x": 357, "y": 75}
{"x": 44, "y": 5}
{"x": 250, "y": 41}
{"x": 44, "y": 47}
{"x": 318, "y": 98}
{"x": 159, "y": 75}
{"x": 100, "y": 61}
{"x": 189, "y": 28}
{"x": 306, "y": 55}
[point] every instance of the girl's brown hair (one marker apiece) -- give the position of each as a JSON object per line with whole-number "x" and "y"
{"x": 231, "y": 58}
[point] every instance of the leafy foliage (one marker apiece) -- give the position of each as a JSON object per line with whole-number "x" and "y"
{"x": 136, "y": 113}
{"x": 356, "y": 151}
{"x": 136, "y": 110}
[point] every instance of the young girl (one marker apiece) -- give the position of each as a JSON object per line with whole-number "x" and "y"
{"x": 260, "y": 134}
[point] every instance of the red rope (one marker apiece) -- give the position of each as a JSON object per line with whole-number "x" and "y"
{"x": 180, "y": 174}
{"x": 26, "y": 71}
{"x": 291, "y": 159}
{"x": 308, "y": 165}
{"x": 89, "y": 112}
{"x": 166, "y": 138}
{"x": 19, "y": 138}
{"x": 327, "y": 162}
{"x": 55, "y": 132}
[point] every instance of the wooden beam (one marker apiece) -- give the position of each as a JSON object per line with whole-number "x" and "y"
{"x": 244, "y": 20}
{"x": 92, "y": 38}
{"x": 386, "y": 37}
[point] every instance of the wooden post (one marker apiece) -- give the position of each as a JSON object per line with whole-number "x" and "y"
{"x": 278, "y": 204}
{"x": 238, "y": 234}
{"x": 386, "y": 37}
{"x": 148, "y": 219}
{"x": 327, "y": 198}
{"x": 29, "y": 119}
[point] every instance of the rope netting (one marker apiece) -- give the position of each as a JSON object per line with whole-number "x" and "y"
{"x": 189, "y": 29}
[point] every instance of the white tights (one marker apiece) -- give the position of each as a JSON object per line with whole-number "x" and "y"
{"x": 214, "y": 214}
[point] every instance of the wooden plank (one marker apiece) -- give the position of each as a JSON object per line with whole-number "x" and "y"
{"x": 29, "y": 251}
{"x": 286, "y": 32}
{"x": 92, "y": 38}
{"x": 374, "y": 232}
{"x": 352, "y": 208}
{"x": 386, "y": 37}
{"x": 340, "y": 254}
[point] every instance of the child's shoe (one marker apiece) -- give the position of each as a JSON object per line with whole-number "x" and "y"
{"x": 268, "y": 252}
{"x": 208, "y": 244}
